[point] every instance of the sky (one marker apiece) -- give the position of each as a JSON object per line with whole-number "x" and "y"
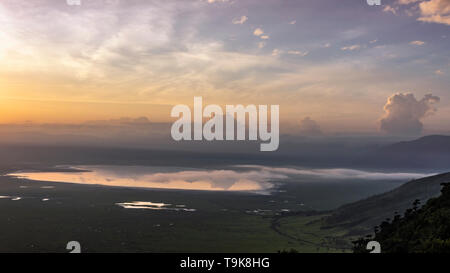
{"x": 332, "y": 66}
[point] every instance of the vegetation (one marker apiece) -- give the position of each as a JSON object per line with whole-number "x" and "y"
{"x": 360, "y": 217}
{"x": 420, "y": 230}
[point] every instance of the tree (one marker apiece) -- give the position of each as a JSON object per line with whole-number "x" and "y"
{"x": 421, "y": 230}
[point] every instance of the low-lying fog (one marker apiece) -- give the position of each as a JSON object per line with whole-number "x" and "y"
{"x": 251, "y": 178}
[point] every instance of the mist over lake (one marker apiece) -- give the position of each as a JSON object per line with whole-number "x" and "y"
{"x": 251, "y": 179}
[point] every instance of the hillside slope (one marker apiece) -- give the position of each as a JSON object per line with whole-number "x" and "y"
{"x": 361, "y": 216}
{"x": 424, "y": 230}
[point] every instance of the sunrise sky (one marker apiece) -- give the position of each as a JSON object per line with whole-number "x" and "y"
{"x": 336, "y": 62}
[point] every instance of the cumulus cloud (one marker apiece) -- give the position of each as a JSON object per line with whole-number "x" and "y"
{"x": 258, "y": 32}
{"x": 240, "y": 21}
{"x": 431, "y": 11}
{"x": 310, "y": 127}
{"x": 435, "y": 11}
{"x": 404, "y": 113}
{"x": 417, "y": 42}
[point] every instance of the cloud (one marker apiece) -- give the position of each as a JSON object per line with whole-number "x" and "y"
{"x": 388, "y": 8}
{"x": 430, "y": 11}
{"x": 310, "y": 127}
{"x": 351, "y": 48}
{"x": 438, "y": 72}
{"x": 407, "y": 2}
{"x": 299, "y": 53}
{"x": 121, "y": 132}
{"x": 404, "y": 113}
{"x": 276, "y": 52}
{"x": 217, "y": 1}
{"x": 255, "y": 178}
{"x": 121, "y": 121}
{"x": 116, "y": 53}
{"x": 148, "y": 52}
{"x": 435, "y": 11}
{"x": 258, "y": 32}
{"x": 338, "y": 173}
{"x": 240, "y": 21}
{"x": 168, "y": 178}
{"x": 417, "y": 42}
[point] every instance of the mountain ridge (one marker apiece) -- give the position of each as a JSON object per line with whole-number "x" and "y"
{"x": 428, "y": 144}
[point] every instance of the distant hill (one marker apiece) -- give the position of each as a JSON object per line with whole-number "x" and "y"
{"x": 419, "y": 230}
{"x": 361, "y": 216}
{"x": 429, "y": 152}
{"x": 433, "y": 144}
